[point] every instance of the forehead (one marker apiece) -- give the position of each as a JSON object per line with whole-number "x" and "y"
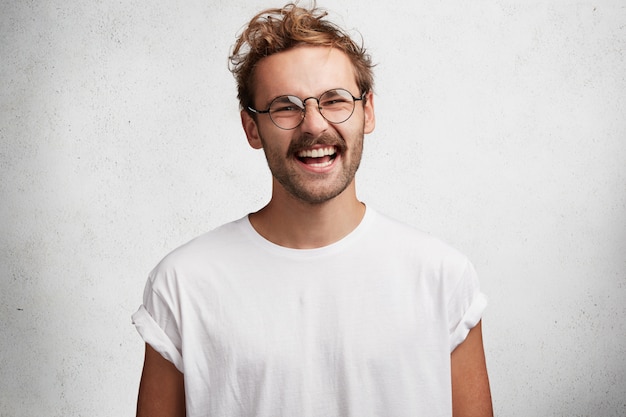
{"x": 304, "y": 71}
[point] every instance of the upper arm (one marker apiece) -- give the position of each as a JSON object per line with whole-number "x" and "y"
{"x": 471, "y": 396}
{"x": 161, "y": 390}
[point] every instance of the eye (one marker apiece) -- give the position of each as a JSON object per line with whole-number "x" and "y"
{"x": 286, "y": 104}
{"x": 336, "y": 98}
{"x": 285, "y": 109}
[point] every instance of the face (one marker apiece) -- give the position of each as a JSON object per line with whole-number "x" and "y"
{"x": 318, "y": 160}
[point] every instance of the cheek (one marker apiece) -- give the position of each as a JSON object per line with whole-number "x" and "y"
{"x": 274, "y": 143}
{"x": 353, "y": 133}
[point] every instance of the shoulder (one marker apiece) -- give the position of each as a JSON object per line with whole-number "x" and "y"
{"x": 435, "y": 260}
{"x": 401, "y": 237}
{"x": 219, "y": 239}
{"x": 405, "y": 247}
{"x": 200, "y": 254}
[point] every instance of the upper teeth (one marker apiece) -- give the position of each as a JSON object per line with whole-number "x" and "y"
{"x": 317, "y": 153}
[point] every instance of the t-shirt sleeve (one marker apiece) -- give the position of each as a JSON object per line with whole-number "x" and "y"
{"x": 157, "y": 326}
{"x": 465, "y": 306}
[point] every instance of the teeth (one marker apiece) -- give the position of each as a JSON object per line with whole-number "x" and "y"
{"x": 321, "y": 164}
{"x": 317, "y": 153}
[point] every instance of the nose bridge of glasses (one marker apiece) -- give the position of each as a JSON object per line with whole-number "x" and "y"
{"x": 317, "y": 101}
{"x": 313, "y": 119}
{"x": 317, "y": 105}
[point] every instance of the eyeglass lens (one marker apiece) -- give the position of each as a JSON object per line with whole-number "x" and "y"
{"x": 336, "y": 106}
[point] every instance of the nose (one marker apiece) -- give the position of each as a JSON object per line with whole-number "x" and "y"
{"x": 313, "y": 122}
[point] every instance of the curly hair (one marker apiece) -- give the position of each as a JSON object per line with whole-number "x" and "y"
{"x": 277, "y": 30}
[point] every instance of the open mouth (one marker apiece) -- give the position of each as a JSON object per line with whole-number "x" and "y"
{"x": 319, "y": 157}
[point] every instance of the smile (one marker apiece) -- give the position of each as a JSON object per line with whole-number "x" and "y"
{"x": 319, "y": 157}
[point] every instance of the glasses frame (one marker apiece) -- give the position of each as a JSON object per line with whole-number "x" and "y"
{"x": 303, "y": 110}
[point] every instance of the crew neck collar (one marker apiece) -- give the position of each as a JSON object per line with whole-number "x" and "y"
{"x": 306, "y": 253}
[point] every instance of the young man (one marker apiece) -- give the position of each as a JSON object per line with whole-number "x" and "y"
{"x": 314, "y": 306}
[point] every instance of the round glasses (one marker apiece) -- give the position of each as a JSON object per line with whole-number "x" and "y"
{"x": 287, "y": 112}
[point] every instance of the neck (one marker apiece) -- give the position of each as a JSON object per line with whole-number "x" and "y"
{"x": 292, "y": 223}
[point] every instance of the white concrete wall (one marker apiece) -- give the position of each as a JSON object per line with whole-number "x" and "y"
{"x": 501, "y": 128}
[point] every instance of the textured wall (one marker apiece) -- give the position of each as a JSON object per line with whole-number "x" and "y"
{"x": 501, "y": 128}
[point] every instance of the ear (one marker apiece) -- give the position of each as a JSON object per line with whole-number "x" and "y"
{"x": 251, "y": 129}
{"x": 368, "y": 112}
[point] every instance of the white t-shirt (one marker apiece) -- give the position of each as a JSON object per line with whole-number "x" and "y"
{"x": 363, "y": 327}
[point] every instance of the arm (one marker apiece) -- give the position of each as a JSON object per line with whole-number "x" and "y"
{"x": 471, "y": 396}
{"x": 161, "y": 391}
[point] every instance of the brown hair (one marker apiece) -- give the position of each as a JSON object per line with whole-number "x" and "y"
{"x": 276, "y": 30}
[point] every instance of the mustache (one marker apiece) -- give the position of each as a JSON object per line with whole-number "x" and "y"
{"x": 308, "y": 141}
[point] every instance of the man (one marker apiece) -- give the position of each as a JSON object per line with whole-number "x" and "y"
{"x": 315, "y": 305}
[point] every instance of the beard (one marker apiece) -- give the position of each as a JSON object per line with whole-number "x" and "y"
{"x": 312, "y": 188}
